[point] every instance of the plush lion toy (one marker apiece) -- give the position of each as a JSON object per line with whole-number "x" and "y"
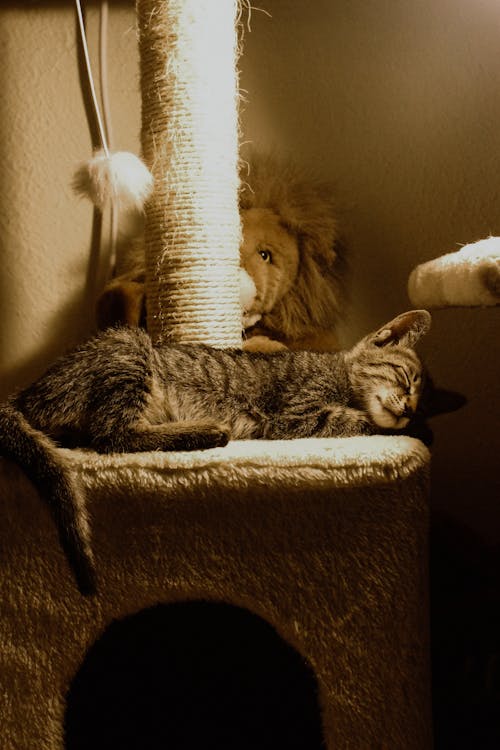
{"x": 292, "y": 277}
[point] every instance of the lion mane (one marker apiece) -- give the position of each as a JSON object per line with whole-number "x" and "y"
{"x": 305, "y": 208}
{"x": 291, "y": 251}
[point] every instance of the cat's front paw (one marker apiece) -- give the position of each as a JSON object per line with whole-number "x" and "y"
{"x": 262, "y": 344}
{"x": 362, "y": 425}
{"x": 220, "y": 436}
{"x": 343, "y": 421}
{"x": 211, "y": 435}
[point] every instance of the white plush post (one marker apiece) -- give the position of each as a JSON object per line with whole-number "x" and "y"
{"x": 469, "y": 277}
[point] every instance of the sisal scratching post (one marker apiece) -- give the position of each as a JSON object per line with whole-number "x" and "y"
{"x": 188, "y": 52}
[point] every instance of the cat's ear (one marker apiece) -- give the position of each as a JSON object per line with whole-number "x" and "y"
{"x": 404, "y": 330}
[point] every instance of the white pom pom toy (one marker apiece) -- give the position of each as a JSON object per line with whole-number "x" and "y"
{"x": 120, "y": 177}
{"x": 118, "y": 181}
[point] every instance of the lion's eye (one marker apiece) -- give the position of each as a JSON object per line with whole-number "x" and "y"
{"x": 266, "y": 256}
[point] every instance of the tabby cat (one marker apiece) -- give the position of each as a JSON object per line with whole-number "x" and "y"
{"x": 119, "y": 393}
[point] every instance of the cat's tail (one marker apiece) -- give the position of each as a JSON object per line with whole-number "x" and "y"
{"x": 38, "y": 456}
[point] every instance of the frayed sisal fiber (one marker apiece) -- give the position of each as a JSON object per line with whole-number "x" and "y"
{"x": 325, "y": 539}
{"x": 188, "y": 55}
{"x": 466, "y": 277}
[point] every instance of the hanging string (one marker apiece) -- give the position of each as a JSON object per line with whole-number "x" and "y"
{"x": 104, "y": 120}
{"x": 100, "y": 123}
{"x": 103, "y": 72}
{"x": 107, "y": 122}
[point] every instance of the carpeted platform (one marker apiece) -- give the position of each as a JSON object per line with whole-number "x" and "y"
{"x": 324, "y": 539}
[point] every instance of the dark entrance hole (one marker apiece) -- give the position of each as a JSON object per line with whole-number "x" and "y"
{"x": 193, "y": 675}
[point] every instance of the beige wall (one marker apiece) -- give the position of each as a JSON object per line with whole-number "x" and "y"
{"x": 48, "y": 279}
{"x": 398, "y": 101}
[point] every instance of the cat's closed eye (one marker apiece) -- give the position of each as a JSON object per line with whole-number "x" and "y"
{"x": 409, "y": 380}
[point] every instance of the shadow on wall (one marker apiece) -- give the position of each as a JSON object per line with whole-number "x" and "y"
{"x": 193, "y": 675}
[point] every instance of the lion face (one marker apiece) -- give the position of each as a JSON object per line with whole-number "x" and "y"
{"x": 291, "y": 272}
{"x": 269, "y": 256}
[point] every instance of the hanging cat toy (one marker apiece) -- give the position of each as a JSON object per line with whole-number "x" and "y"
{"x": 116, "y": 179}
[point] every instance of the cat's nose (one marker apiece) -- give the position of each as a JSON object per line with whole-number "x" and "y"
{"x": 411, "y": 404}
{"x": 408, "y": 411}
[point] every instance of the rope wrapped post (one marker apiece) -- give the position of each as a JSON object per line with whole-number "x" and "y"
{"x": 188, "y": 53}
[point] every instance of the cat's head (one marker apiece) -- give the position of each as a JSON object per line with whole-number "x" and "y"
{"x": 385, "y": 372}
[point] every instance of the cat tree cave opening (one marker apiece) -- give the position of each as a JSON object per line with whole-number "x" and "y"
{"x": 190, "y": 675}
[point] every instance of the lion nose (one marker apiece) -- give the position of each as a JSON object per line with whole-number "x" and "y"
{"x": 248, "y": 290}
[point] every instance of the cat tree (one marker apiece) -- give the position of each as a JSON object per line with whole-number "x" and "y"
{"x": 324, "y": 539}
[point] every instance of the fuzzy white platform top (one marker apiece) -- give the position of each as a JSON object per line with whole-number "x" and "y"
{"x": 467, "y": 277}
{"x": 356, "y": 461}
